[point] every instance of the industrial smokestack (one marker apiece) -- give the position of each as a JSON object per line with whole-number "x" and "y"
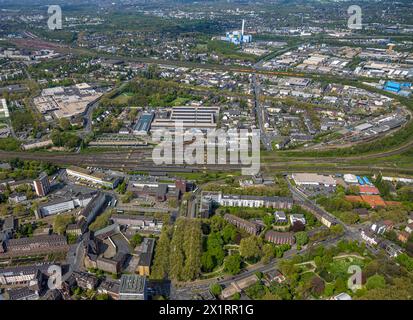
{"x": 243, "y": 26}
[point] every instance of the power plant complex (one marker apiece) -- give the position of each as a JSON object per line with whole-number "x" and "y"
{"x": 238, "y": 37}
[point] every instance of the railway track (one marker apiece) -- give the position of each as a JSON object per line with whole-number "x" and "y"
{"x": 140, "y": 160}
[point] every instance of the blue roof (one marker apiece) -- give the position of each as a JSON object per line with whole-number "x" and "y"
{"x": 393, "y": 84}
{"x": 144, "y": 122}
{"x": 392, "y": 89}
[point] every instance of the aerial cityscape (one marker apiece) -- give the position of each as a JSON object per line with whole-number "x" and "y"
{"x": 216, "y": 150}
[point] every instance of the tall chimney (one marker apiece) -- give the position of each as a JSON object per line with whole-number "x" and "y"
{"x": 243, "y": 26}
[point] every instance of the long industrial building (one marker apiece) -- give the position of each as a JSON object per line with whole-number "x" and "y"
{"x": 93, "y": 177}
{"x": 191, "y": 117}
{"x": 313, "y": 179}
{"x": 62, "y": 205}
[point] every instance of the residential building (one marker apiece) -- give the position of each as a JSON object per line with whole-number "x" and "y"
{"x": 74, "y": 229}
{"x": 22, "y": 275}
{"x": 42, "y": 185}
{"x": 22, "y": 294}
{"x": 36, "y": 245}
{"x": 110, "y": 287}
{"x": 403, "y": 236}
{"x": 369, "y": 237}
{"x": 85, "y": 280}
{"x": 379, "y": 227}
{"x": 10, "y": 225}
{"x": 280, "y": 237}
{"x": 280, "y": 217}
{"x": 255, "y": 201}
{"x": 17, "y": 197}
{"x": 251, "y": 227}
{"x": 274, "y": 276}
{"x": 297, "y": 218}
{"x": 409, "y": 228}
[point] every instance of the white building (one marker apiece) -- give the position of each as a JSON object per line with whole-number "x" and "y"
{"x": 313, "y": 179}
{"x": 255, "y": 201}
{"x": 369, "y": 237}
{"x": 63, "y": 205}
{"x": 297, "y": 218}
{"x": 96, "y": 177}
{"x": 4, "y": 111}
{"x": 350, "y": 178}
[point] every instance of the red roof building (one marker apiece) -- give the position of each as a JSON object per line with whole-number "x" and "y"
{"x": 368, "y": 190}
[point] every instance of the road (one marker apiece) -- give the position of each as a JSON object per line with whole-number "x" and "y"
{"x": 188, "y": 290}
{"x": 298, "y": 195}
{"x": 260, "y": 114}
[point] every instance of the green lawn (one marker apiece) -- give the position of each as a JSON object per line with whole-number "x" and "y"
{"x": 339, "y": 267}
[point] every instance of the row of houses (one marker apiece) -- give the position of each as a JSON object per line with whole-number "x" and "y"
{"x": 42, "y": 244}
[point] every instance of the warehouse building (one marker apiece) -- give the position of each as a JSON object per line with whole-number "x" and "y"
{"x": 63, "y": 205}
{"x": 191, "y": 117}
{"x": 144, "y": 123}
{"x": 133, "y": 287}
{"x": 313, "y": 179}
{"x": 93, "y": 177}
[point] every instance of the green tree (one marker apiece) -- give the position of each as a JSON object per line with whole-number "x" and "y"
{"x": 64, "y": 124}
{"x": 268, "y": 251}
{"x": 301, "y": 238}
{"x": 136, "y": 240}
{"x": 229, "y": 233}
{"x": 122, "y": 187}
{"x": 101, "y": 221}
{"x": 160, "y": 268}
{"x": 375, "y": 282}
{"x": 61, "y": 222}
{"x": 268, "y": 220}
{"x": 216, "y": 289}
{"x": 236, "y": 296}
{"x": 232, "y": 264}
{"x": 250, "y": 248}
{"x": 208, "y": 262}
